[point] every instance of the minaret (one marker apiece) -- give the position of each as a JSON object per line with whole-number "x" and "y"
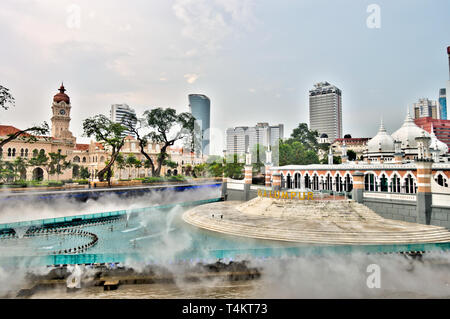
{"x": 330, "y": 156}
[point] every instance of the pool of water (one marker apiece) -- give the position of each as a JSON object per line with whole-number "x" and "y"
{"x": 154, "y": 234}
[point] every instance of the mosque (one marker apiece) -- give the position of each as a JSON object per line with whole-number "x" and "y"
{"x": 388, "y": 164}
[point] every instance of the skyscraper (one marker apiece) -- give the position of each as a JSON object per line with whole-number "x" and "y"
{"x": 325, "y": 110}
{"x": 443, "y": 104}
{"x": 426, "y": 108}
{"x": 199, "y": 106}
{"x": 119, "y": 112}
{"x": 242, "y": 138}
{"x": 448, "y": 82}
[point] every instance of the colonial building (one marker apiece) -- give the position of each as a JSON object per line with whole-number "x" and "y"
{"x": 92, "y": 156}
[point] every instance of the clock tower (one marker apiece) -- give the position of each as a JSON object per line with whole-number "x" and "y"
{"x": 61, "y": 116}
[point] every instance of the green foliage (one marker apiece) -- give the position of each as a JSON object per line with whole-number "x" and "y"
{"x": 351, "y": 155}
{"x": 58, "y": 164}
{"x": 108, "y": 133}
{"x": 295, "y": 153}
{"x": 84, "y": 173}
{"x": 306, "y": 136}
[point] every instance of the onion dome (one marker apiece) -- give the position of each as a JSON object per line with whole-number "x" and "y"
{"x": 408, "y": 132}
{"x": 437, "y": 144}
{"x": 381, "y": 143}
{"x": 61, "y": 96}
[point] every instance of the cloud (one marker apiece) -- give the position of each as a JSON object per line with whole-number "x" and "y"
{"x": 209, "y": 22}
{"x": 191, "y": 77}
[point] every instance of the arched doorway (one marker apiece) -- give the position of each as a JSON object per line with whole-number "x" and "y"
{"x": 38, "y": 174}
{"x": 297, "y": 180}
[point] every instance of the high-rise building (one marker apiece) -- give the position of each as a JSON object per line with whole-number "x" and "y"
{"x": 441, "y": 128}
{"x": 325, "y": 110}
{"x": 242, "y": 138}
{"x": 443, "y": 104}
{"x": 426, "y": 108}
{"x": 200, "y": 106}
{"x": 448, "y": 82}
{"x": 119, "y": 112}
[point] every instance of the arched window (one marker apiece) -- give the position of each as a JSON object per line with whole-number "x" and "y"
{"x": 441, "y": 180}
{"x": 102, "y": 159}
{"x": 383, "y": 183}
{"x": 76, "y": 159}
{"x": 26, "y": 152}
{"x": 42, "y": 152}
{"x": 395, "y": 184}
{"x": 84, "y": 159}
{"x": 22, "y": 153}
{"x": 13, "y": 152}
{"x": 297, "y": 180}
{"x": 315, "y": 182}
{"x": 307, "y": 181}
{"x": 348, "y": 183}
{"x": 35, "y": 152}
{"x": 9, "y": 152}
{"x": 289, "y": 182}
{"x": 369, "y": 182}
{"x": 338, "y": 181}
{"x": 328, "y": 182}
{"x": 410, "y": 186}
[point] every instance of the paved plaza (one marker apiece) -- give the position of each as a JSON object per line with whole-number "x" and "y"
{"x": 335, "y": 222}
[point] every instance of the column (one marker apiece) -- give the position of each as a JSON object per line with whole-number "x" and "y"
{"x": 276, "y": 181}
{"x": 424, "y": 191}
{"x": 247, "y": 181}
{"x": 268, "y": 174}
{"x": 358, "y": 186}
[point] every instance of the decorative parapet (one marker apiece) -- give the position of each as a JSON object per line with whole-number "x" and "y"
{"x": 391, "y": 196}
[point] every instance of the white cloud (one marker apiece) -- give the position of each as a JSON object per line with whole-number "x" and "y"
{"x": 191, "y": 77}
{"x": 210, "y": 22}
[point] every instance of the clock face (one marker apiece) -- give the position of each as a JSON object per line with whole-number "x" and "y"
{"x": 62, "y": 112}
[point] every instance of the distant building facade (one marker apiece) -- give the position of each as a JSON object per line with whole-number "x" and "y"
{"x": 200, "y": 107}
{"x": 119, "y": 112}
{"x": 426, "y": 108}
{"x": 441, "y": 128}
{"x": 325, "y": 110}
{"x": 242, "y": 138}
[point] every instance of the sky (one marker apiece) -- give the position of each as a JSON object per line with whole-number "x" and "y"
{"x": 255, "y": 59}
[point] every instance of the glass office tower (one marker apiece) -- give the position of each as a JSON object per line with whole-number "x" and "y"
{"x": 443, "y": 104}
{"x": 199, "y": 106}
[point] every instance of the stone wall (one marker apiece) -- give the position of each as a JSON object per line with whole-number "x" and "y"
{"x": 440, "y": 216}
{"x": 398, "y": 210}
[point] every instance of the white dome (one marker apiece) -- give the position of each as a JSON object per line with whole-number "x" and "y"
{"x": 382, "y": 142}
{"x": 437, "y": 145}
{"x": 408, "y": 132}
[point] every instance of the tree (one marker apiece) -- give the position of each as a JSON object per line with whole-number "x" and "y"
{"x": 84, "y": 173}
{"x": 120, "y": 161}
{"x": 20, "y": 165}
{"x": 351, "y": 155}
{"x": 306, "y": 136}
{"x": 296, "y": 153}
{"x": 166, "y": 127}
{"x": 108, "y": 133}
{"x": 138, "y": 165}
{"x": 130, "y": 162}
{"x": 6, "y": 171}
{"x": 40, "y": 159}
{"x": 234, "y": 169}
{"x": 6, "y": 100}
{"x": 58, "y": 164}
